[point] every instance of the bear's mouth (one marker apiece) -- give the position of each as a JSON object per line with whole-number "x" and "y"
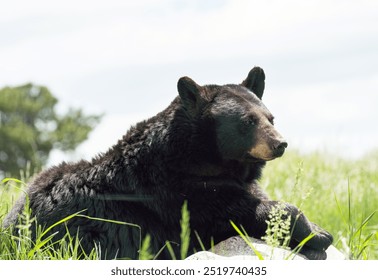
{"x": 250, "y": 158}
{"x": 273, "y": 156}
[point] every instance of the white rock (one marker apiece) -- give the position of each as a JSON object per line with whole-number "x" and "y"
{"x": 237, "y": 248}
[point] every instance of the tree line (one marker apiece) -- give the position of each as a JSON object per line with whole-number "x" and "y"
{"x": 30, "y": 128}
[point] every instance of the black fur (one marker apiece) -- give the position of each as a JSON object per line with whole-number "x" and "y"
{"x": 208, "y": 148}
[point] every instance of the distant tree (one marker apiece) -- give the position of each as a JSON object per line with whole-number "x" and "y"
{"x": 30, "y": 128}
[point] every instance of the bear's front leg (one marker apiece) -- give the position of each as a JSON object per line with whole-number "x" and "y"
{"x": 301, "y": 228}
{"x": 212, "y": 211}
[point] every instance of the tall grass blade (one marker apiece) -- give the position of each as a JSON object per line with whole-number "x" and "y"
{"x": 170, "y": 250}
{"x": 297, "y": 249}
{"x": 202, "y": 246}
{"x": 185, "y": 231}
{"x": 144, "y": 252}
{"x": 247, "y": 240}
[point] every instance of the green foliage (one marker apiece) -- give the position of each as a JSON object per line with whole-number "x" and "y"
{"x": 184, "y": 235}
{"x": 355, "y": 242}
{"x": 278, "y": 230}
{"x": 337, "y": 194}
{"x": 145, "y": 252}
{"x": 30, "y": 128}
{"x": 185, "y": 230}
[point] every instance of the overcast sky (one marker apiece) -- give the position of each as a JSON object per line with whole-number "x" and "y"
{"x": 123, "y": 58}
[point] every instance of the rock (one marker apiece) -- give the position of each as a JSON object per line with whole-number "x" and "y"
{"x": 334, "y": 254}
{"x": 205, "y": 255}
{"x": 236, "y": 248}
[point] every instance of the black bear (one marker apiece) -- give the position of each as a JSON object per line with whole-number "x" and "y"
{"x": 208, "y": 147}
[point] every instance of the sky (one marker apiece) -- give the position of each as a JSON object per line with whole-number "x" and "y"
{"x": 124, "y": 58}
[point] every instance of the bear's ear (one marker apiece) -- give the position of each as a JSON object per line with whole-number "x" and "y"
{"x": 255, "y": 81}
{"x": 190, "y": 93}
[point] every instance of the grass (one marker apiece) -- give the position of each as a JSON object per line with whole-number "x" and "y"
{"x": 339, "y": 195}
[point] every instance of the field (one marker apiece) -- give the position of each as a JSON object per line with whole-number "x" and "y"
{"x": 339, "y": 195}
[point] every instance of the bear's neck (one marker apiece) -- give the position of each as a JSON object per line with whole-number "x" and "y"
{"x": 243, "y": 172}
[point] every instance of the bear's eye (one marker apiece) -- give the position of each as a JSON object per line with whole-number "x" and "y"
{"x": 271, "y": 120}
{"x": 250, "y": 121}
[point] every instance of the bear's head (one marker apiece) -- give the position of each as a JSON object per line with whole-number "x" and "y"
{"x": 243, "y": 126}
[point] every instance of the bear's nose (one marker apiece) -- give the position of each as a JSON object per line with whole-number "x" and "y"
{"x": 280, "y": 146}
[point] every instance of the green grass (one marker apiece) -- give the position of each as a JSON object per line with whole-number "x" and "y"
{"x": 339, "y": 195}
